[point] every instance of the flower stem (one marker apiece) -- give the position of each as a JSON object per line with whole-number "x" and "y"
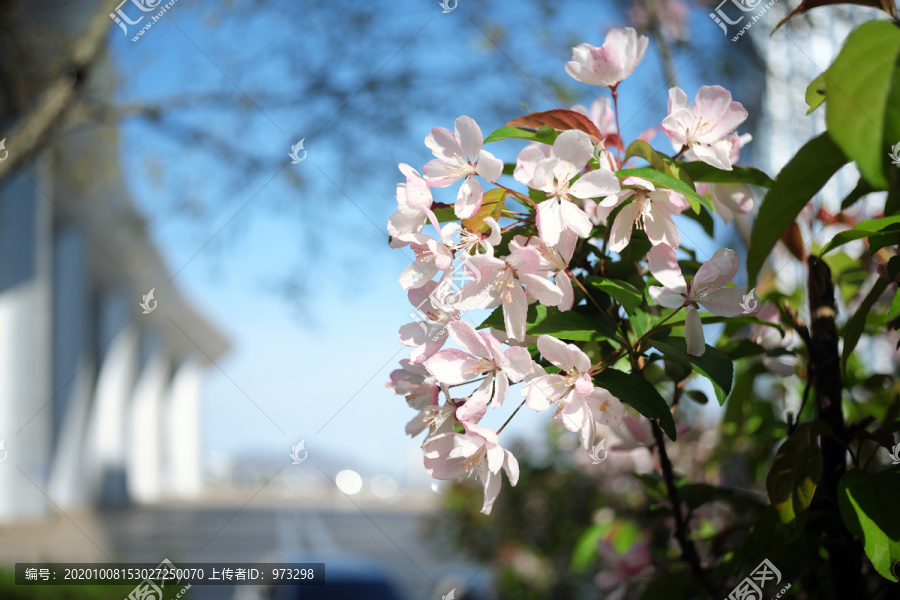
{"x": 600, "y": 308}
{"x": 615, "y": 97}
{"x": 657, "y": 326}
{"x": 611, "y": 358}
{"x": 510, "y": 417}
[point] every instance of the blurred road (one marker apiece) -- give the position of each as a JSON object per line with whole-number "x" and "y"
{"x": 212, "y": 534}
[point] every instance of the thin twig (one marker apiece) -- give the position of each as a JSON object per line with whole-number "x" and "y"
{"x": 688, "y": 551}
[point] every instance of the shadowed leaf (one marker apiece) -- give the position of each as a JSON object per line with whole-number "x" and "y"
{"x": 795, "y": 473}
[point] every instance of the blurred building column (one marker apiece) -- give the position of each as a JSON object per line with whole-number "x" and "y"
{"x": 74, "y": 365}
{"x": 115, "y": 383}
{"x": 25, "y": 388}
{"x": 145, "y": 435}
{"x": 183, "y": 430}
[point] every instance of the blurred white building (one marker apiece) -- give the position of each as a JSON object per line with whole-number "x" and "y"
{"x": 99, "y": 402}
{"x": 793, "y": 57}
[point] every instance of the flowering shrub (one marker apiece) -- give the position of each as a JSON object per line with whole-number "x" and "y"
{"x": 598, "y": 304}
{"x": 523, "y": 252}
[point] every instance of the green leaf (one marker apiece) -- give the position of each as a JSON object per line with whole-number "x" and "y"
{"x": 700, "y": 171}
{"x": 568, "y": 325}
{"x": 586, "y": 547}
{"x": 698, "y": 494}
{"x": 795, "y": 185}
{"x": 857, "y": 323}
{"x": 887, "y": 228}
{"x": 445, "y": 214}
{"x": 491, "y": 206}
{"x": 670, "y": 182}
{"x": 623, "y": 292}
{"x": 795, "y": 473}
{"x": 714, "y": 364}
{"x": 893, "y": 312}
{"x": 641, "y": 321}
{"x": 741, "y": 348}
{"x": 653, "y": 485}
{"x": 544, "y": 135}
{"x": 860, "y": 113}
{"x": 633, "y": 389}
{"x": 642, "y": 149}
{"x": 815, "y": 92}
{"x": 704, "y": 218}
{"x": 862, "y": 188}
{"x": 868, "y": 503}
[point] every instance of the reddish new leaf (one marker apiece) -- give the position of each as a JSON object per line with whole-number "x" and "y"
{"x": 560, "y": 120}
{"x": 793, "y": 240}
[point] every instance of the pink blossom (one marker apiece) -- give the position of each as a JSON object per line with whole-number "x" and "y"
{"x": 426, "y": 336}
{"x": 420, "y": 389}
{"x": 505, "y": 339}
{"x": 470, "y": 241}
{"x": 476, "y": 452}
{"x": 460, "y": 156}
{"x": 705, "y": 128}
{"x": 528, "y": 159}
{"x": 504, "y": 281}
{"x": 579, "y": 405}
{"x": 485, "y": 358}
{"x": 413, "y": 207}
{"x": 707, "y": 288}
{"x": 612, "y": 62}
{"x": 650, "y": 210}
{"x": 601, "y": 114}
{"x": 670, "y": 15}
{"x": 639, "y": 434}
{"x": 431, "y": 255}
{"x": 554, "y": 262}
{"x": 729, "y": 199}
{"x": 567, "y": 158}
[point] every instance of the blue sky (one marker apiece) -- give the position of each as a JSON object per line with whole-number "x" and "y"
{"x": 316, "y": 366}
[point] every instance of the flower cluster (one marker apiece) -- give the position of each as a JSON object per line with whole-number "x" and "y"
{"x": 512, "y": 249}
